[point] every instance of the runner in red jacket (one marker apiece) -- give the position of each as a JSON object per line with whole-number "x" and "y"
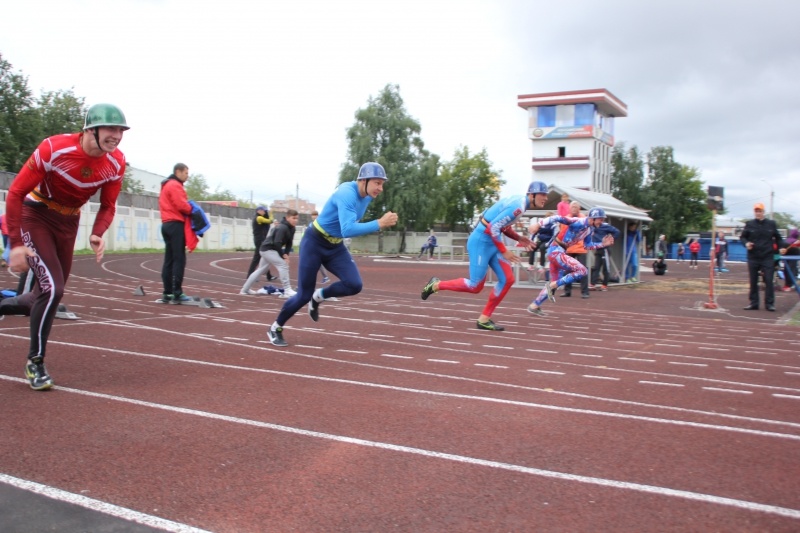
{"x": 43, "y": 209}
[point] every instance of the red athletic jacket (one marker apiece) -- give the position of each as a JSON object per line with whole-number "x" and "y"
{"x": 64, "y": 173}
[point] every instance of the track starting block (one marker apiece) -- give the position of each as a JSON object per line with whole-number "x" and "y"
{"x": 197, "y": 301}
{"x": 65, "y": 314}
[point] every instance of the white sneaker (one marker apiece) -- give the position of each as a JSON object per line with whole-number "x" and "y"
{"x": 287, "y": 293}
{"x": 248, "y": 292}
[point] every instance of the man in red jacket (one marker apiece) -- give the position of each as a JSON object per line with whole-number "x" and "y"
{"x": 175, "y": 207}
{"x": 43, "y": 209}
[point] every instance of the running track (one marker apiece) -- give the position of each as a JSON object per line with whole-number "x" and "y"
{"x": 632, "y": 410}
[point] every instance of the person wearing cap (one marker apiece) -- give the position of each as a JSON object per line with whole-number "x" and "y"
{"x": 261, "y": 225}
{"x": 323, "y": 245}
{"x": 761, "y": 238}
{"x": 563, "y": 268}
{"x": 487, "y": 249}
{"x": 43, "y": 207}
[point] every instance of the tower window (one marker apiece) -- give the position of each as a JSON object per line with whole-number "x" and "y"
{"x": 562, "y": 151}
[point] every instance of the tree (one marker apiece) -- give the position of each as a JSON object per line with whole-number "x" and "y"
{"x": 627, "y": 175}
{"x": 675, "y": 195}
{"x": 384, "y": 132}
{"x": 19, "y": 121}
{"x": 197, "y": 189}
{"x": 131, "y": 184}
{"x": 470, "y": 185}
{"x": 785, "y": 220}
{"x": 60, "y": 112}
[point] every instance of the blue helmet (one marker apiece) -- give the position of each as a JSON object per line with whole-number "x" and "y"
{"x": 371, "y": 170}
{"x": 596, "y": 212}
{"x": 537, "y": 187}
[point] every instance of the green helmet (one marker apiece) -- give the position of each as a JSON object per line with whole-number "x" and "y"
{"x": 105, "y": 115}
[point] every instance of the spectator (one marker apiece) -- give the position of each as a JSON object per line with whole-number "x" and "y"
{"x": 575, "y": 249}
{"x": 43, "y": 218}
{"x": 662, "y": 247}
{"x": 563, "y": 206}
{"x": 601, "y": 258}
{"x": 694, "y": 250}
{"x": 681, "y": 252}
{"x": 175, "y": 209}
{"x": 760, "y": 236}
{"x": 721, "y": 252}
{"x": 6, "y": 248}
{"x": 790, "y": 265}
{"x": 632, "y": 241}
{"x": 429, "y": 246}
{"x": 261, "y": 225}
{"x": 275, "y": 250}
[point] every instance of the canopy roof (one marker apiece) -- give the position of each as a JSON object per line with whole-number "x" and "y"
{"x": 614, "y": 208}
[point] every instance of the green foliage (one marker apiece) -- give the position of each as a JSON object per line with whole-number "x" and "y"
{"x": 784, "y": 220}
{"x": 25, "y": 122}
{"x": 471, "y": 185}
{"x": 197, "y": 189}
{"x": 673, "y": 194}
{"x": 385, "y": 133}
{"x": 131, "y": 184}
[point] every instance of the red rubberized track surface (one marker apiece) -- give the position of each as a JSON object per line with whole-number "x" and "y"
{"x": 633, "y": 410}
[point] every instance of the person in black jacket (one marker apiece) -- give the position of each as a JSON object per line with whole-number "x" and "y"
{"x": 275, "y": 250}
{"x": 261, "y": 225}
{"x": 761, "y": 238}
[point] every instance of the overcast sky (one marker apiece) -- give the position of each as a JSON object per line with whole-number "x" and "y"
{"x": 257, "y": 95}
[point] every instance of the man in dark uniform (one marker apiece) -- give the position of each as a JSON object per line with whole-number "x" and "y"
{"x": 761, "y": 238}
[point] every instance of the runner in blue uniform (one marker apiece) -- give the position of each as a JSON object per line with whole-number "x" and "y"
{"x": 563, "y": 268}
{"x": 487, "y": 250}
{"x": 322, "y": 245}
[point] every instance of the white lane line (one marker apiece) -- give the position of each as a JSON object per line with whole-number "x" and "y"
{"x": 546, "y": 372}
{"x": 586, "y": 355}
{"x": 381, "y": 336}
{"x": 540, "y": 335}
{"x": 670, "y": 345}
{"x": 396, "y": 356}
{"x": 637, "y": 359}
{"x": 540, "y": 351}
{"x": 792, "y": 373}
{"x": 661, "y": 383}
{"x": 457, "y": 343}
{"x": 685, "y": 364}
{"x": 490, "y": 366}
{"x": 789, "y": 396}
{"x": 713, "y": 348}
{"x": 96, "y": 505}
{"x": 600, "y": 377}
{"x": 239, "y": 339}
{"x": 717, "y": 389}
{"x": 348, "y": 333}
{"x": 551, "y": 474}
{"x": 415, "y": 339}
{"x": 627, "y": 342}
{"x": 353, "y": 351}
{"x": 307, "y": 346}
{"x": 493, "y": 347}
{"x": 743, "y": 368}
{"x": 443, "y": 361}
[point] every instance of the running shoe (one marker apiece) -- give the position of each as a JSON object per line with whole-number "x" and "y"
{"x": 248, "y": 292}
{"x": 325, "y": 279}
{"x": 428, "y": 289}
{"x": 180, "y": 299}
{"x": 532, "y": 309}
{"x": 37, "y": 374}
{"x": 313, "y": 309}
{"x": 603, "y": 288}
{"x": 551, "y": 292}
{"x": 276, "y": 337}
{"x": 287, "y": 293}
{"x": 489, "y": 325}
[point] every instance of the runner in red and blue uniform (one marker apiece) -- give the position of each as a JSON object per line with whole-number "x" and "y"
{"x": 323, "y": 245}
{"x": 487, "y": 250}
{"x": 43, "y": 209}
{"x": 563, "y": 268}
